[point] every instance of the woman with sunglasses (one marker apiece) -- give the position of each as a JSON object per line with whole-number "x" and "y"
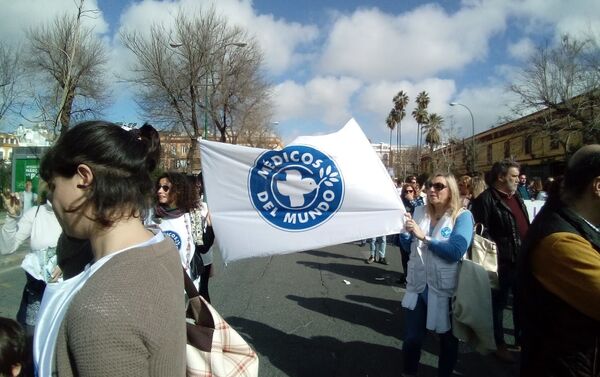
{"x": 124, "y": 315}
{"x": 176, "y": 198}
{"x": 410, "y": 197}
{"x": 440, "y": 233}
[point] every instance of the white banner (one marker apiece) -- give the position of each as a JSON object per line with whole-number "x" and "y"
{"x": 317, "y": 191}
{"x": 534, "y": 207}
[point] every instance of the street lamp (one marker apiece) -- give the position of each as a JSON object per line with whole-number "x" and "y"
{"x": 472, "y": 133}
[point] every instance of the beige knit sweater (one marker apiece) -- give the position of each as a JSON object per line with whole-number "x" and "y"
{"x": 128, "y": 319}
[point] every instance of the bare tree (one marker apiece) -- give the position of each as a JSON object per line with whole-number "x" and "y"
{"x": 250, "y": 125}
{"x": 200, "y": 73}
{"x": 566, "y": 80}
{"x": 70, "y": 59}
{"x": 10, "y": 75}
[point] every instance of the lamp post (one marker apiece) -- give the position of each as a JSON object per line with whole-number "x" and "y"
{"x": 472, "y": 132}
{"x": 224, "y": 46}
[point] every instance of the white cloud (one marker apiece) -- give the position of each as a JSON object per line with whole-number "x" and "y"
{"x": 573, "y": 17}
{"x": 375, "y": 101}
{"x": 370, "y": 44}
{"x": 489, "y": 104}
{"x": 279, "y": 40}
{"x": 326, "y": 99}
{"x": 522, "y": 49}
{"x": 18, "y": 16}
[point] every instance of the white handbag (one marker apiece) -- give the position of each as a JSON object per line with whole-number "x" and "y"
{"x": 485, "y": 253}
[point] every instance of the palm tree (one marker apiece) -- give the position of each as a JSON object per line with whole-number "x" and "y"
{"x": 390, "y": 121}
{"x": 420, "y": 115}
{"x": 400, "y": 103}
{"x": 422, "y": 118}
{"x": 422, "y": 100}
{"x": 433, "y": 130}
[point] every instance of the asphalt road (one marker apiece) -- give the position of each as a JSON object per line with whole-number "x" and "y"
{"x": 316, "y": 313}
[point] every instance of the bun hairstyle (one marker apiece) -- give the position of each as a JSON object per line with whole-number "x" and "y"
{"x": 120, "y": 160}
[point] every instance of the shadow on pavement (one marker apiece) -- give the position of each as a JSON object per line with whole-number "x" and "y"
{"x": 392, "y": 306}
{"x": 325, "y": 254}
{"x": 384, "y": 322}
{"x": 372, "y": 274}
{"x": 319, "y": 356}
{"x": 389, "y": 321}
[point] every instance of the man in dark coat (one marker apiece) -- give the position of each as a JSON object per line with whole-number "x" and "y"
{"x": 559, "y": 277}
{"x": 502, "y": 211}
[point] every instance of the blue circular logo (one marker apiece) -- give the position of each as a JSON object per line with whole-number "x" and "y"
{"x": 175, "y": 237}
{"x": 446, "y": 232}
{"x": 297, "y": 188}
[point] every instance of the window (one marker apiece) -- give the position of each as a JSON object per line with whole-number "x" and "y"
{"x": 507, "y": 149}
{"x": 528, "y": 144}
{"x": 554, "y": 141}
{"x": 489, "y": 153}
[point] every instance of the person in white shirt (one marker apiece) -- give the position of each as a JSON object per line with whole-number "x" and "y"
{"x": 28, "y": 198}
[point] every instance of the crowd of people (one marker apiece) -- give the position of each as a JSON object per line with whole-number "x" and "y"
{"x": 114, "y": 244}
{"x": 548, "y": 267}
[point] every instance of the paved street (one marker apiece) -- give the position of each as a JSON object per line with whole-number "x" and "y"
{"x": 304, "y": 320}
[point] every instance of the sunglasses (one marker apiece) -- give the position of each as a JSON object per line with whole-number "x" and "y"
{"x": 436, "y": 186}
{"x": 165, "y": 188}
{"x": 410, "y": 191}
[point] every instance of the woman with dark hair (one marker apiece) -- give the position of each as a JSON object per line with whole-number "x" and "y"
{"x": 536, "y": 188}
{"x": 410, "y": 197}
{"x": 411, "y": 200}
{"x": 176, "y": 198}
{"x": 12, "y": 348}
{"x": 124, "y": 314}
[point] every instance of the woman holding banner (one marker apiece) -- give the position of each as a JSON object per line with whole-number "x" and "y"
{"x": 440, "y": 234}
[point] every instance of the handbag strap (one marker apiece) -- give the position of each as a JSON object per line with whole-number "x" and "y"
{"x": 477, "y": 226}
{"x": 188, "y": 284}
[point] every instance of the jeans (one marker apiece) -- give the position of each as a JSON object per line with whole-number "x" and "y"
{"x": 507, "y": 283}
{"x": 405, "y": 254}
{"x": 378, "y": 245}
{"x": 414, "y": 333}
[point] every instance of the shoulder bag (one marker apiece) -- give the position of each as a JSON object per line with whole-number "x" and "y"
{"x": 485, "y": 253}
{"x": 214, "y": 349}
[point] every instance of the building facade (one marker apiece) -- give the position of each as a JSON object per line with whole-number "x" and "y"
{"x": 540, "y": 152}
{"x": 7, "y": 143}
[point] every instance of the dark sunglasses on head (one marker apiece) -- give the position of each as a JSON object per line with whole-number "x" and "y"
{"x": 436, "y": 186}
{"x": 165, "y": 188}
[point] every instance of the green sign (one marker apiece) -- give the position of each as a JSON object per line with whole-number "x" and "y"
{"x": 26, "y": 168}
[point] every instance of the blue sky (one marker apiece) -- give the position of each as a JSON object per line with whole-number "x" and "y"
{"x": 330, "y": 60}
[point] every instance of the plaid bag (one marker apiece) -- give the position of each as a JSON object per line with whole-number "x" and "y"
{"x": 214, "y": 349}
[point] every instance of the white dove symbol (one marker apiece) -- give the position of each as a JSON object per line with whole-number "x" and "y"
{"x": 295, "y": 187}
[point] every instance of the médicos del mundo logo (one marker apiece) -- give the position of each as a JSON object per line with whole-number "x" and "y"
{"x": 297, "y": 188}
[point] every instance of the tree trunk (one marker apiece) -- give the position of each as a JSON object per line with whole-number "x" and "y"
{"x": 390, "y": 154}
{"x": 65, "y": 114}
